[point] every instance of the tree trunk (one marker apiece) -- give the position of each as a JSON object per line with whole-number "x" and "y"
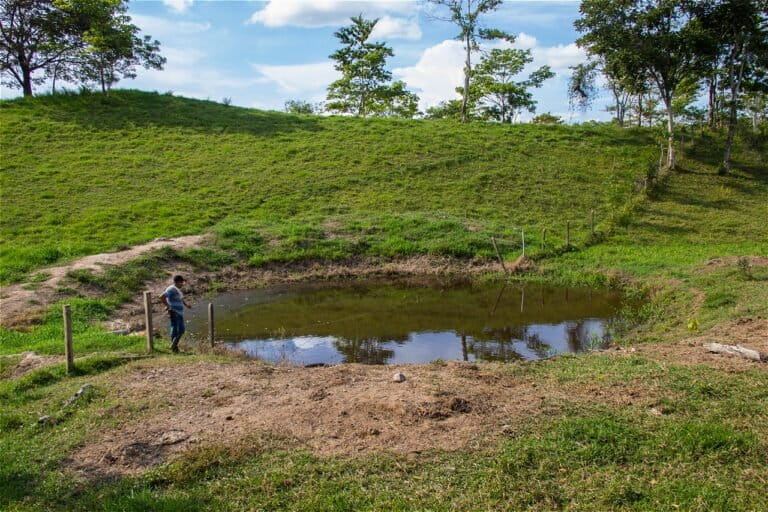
{"x": 639, "y": 110}
{"x": 735, "y": 82}
{"x": 467, "y": 70}
{"x": 670, "y": 133}
{"x": 26, "y": 80}
{"x": 712, "y": 102}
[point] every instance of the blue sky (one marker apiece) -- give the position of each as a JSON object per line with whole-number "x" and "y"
{"x": 262, "y": 53}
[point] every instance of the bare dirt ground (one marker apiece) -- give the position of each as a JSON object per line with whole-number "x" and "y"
{"x": 20, "y": 302}
{"x": 346, "y": 409}
{"x": 749, "y": 332}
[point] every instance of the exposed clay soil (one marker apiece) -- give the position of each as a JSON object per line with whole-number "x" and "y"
{"x": 345, "y": 409}
{"x": 21, "y": 302}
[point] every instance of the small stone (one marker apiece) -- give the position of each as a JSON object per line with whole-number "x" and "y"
{"x": 87, "y": 388}
{"x": 43, "y": 420}
{"x": 398, "y": 377}
{"x": 506, "y": 429}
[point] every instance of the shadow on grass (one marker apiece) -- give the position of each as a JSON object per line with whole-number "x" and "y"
{"x": 15, "y": 485}
{"x": 125, "y": 109}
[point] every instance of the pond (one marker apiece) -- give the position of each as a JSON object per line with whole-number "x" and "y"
{"x": 408, "y": 322}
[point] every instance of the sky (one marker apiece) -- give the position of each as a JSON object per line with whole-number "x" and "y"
{"x": 262, "y": 53}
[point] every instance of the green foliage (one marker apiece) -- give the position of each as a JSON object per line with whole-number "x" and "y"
{"x": 72, "y": 40}
{"x": 364, "y": 87}
{"x": 299, "y": 107}
{"x": 495, "y": 92}
{"x": 467, "y": 16}
{"x": 547, "y": 118}
{"x": 113, "y": 49}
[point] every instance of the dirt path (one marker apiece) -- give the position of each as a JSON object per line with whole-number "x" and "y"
{"x": 23, "y": 301}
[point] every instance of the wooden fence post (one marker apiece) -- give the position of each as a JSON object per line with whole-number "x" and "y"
{"x": 498, "y": 255}
{"x": 567, "y": 234}
{"x": 592, "y": 223}
{"x": 68, "y": 349}
{"x": 211, "y": 329}
{"x": 523, "y": 235}
{"x": 148, "y": 321}
{"x": 543, "y": 239}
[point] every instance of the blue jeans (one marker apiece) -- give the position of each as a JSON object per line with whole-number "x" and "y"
{"x": 177, "y": 326}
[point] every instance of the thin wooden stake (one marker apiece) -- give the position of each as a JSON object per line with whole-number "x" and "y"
{"x": 68, "y": 350}
{"x": 148, "y": 321}
{"x": 567, "y": 234}
{"x": 523, "y": 235}
{"x": 211, "y": 328}
{"x": 543, "y": 239}
{"x": 592, "y": 223}
{"x": 498, "y": 255}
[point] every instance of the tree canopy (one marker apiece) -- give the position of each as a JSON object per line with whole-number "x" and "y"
{"x": 75, "y": 40}
{"x": 364, "y": 88}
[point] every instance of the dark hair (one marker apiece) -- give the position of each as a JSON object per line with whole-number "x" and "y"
{"x": 178, "y": 278}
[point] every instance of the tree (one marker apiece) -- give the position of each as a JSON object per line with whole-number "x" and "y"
{"x": 465, "y": 14}
{"x": 400, "y": 102}
{"x": 299, "y": 107}
{"x": 737, "y": 31}
{"x": 364, "y": 87}
{"x": 74, "y": 40}
{"x": 493, "y": 83}
{"x": 657, "y": 39}
{"x": 582, "y": 85}
{"x": 450, "y": 109}
{"x": 113, "y": 48}
{"x": 34, "y": 34}
{"x": 547, "y": 119}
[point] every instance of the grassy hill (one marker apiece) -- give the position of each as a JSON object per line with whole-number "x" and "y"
{"x": 83, "y": 174}
{"x": 665, "y": 428}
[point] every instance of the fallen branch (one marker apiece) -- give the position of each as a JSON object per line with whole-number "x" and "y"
{"x": 736, "y": 350}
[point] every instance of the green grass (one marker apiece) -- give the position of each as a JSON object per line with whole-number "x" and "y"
{"x": 707, "y": 452}
{"x": 82, "y": 174}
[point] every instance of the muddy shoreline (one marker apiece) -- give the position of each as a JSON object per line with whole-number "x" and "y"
{"x": 200, "y": 285}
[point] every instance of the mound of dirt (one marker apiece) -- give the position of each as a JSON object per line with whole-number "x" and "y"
{"x": 344, "y": 409}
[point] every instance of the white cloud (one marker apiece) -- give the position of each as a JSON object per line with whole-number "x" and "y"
{"x": 187, "y": 73}
{"x": 178, "y": 5}
{"x": 437, "y": 73}
{"x": 303, "y": 79}
{"x": 163, "y": 28}
{"x": 396, "y": 28}
{"x": 439, "y": 70}
{"x": 332, "y": 13}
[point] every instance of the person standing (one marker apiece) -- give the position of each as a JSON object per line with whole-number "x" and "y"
{"x": 174, "y": 302}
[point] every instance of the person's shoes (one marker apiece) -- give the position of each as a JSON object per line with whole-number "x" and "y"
{"x": 174, "y": 349}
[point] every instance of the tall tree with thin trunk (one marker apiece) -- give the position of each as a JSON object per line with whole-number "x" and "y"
{"x": 365, "y": 86}
{"x": 655, "y": 38}
{"x": 466, "y": 14}
{"x": 738, "y": 34}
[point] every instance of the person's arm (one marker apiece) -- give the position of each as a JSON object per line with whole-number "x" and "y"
{"x": 164, "y": 300}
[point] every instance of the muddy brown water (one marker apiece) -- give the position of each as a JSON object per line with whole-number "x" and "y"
{"x": 408, "y": 322}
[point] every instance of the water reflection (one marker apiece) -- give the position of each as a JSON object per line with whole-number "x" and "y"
{"x": 378, "y": 323}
